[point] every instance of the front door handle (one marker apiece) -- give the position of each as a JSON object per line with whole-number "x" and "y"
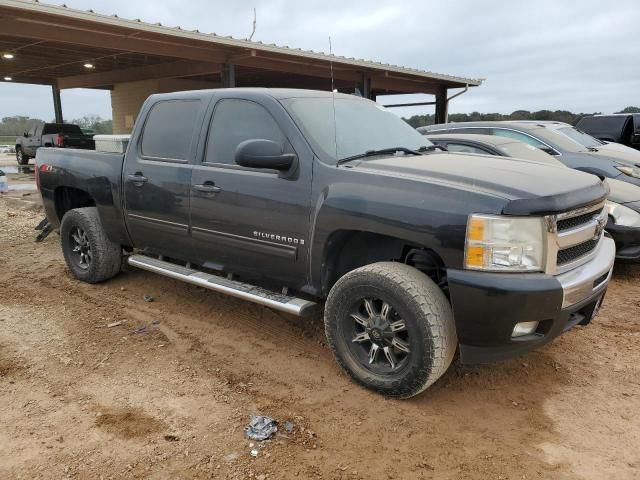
{"x": 137, "y": 178}
{"x": 207, "y": 187}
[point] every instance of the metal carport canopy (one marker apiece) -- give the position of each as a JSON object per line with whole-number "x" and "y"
{"x": 52, "y": 44}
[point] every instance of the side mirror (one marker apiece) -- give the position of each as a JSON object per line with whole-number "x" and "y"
{"x": 548, "y": 150}
{"x": 25, "y": 135}
{"x": 263, "y": 154}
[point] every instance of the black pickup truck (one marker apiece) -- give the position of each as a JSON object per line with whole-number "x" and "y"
{"x": 294, "y": 198}
{"x": 62, "y": 135}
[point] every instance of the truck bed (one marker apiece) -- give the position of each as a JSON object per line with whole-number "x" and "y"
{"x": 61, "y": 170}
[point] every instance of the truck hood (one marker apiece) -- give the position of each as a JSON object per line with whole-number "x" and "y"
{"x": 530, "y": 187}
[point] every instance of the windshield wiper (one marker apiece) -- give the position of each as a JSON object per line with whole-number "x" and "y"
{"x": 385, "y": 151}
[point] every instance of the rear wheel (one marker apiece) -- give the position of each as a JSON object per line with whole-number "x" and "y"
{"x": 89, "y": 253}
{"x": 21, "y": 158}
{"x": 390, "y": 328}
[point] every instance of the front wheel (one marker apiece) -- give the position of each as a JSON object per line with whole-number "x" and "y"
{"x": 21, "y": 158}
{"x": 89, "y": 253}
{"x": 390, "y": 328}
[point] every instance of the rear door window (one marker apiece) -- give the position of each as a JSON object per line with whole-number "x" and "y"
{"x": 170, "y": 129}
{"x": 235, "y": 121}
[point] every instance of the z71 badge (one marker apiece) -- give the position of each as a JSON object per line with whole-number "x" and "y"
{"x": 279, "y": 238}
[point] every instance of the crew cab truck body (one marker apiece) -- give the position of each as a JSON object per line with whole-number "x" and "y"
{"x": 291, "y": 198}
{"x": 63, "y": 135}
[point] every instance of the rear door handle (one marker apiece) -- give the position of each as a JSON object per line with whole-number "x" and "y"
{"x": 207, "y": 187}
{"x": 137, "y": 178}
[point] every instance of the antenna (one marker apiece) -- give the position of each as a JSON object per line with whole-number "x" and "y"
{"x": 254, "y": 25}
{"x": 331, "y": 62}
{"x": 333, "y": 100}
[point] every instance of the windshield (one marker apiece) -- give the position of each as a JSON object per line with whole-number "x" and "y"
{"x": 357, "y": 126}
{"x": 556, "y": 139}
{"x": 581, "y": 137}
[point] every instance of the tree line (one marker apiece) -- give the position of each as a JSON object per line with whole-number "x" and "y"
{"x": 17, "y": 125}
{"x": 557, "y": 115}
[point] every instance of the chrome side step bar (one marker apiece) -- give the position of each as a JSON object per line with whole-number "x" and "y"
{"x": 245, "y": 291}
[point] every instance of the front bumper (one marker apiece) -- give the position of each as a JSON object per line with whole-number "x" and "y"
{"x": 487, "y": 306}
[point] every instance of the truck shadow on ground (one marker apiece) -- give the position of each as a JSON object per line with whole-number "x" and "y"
{"x": 491, "y": 413}
{"x": 626, "y": 271}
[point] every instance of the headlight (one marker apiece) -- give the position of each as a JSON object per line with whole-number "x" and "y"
{"x": 631, "y": 171}
{"x": 504, "y": 244}
{"x": 622, "y": 215}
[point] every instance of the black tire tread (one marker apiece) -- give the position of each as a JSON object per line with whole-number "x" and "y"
{"x": 25, "y": 157}
{"x": 434, "y": 312}
{"x": 107, "y": 255}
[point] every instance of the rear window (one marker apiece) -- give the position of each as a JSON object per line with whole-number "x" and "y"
{"x": 169, "y": 129}
{"x": 69, "y": 129}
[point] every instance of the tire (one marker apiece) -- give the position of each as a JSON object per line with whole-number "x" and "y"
{"x": 21, "y": 157}
{"x": 89, "y": 253}
{"x": 416, "y": 303}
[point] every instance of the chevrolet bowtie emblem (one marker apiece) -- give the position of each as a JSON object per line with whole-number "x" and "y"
{"x": 601, "y": 223}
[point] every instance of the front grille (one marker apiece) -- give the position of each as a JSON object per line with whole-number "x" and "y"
{"x": 574, "y": 222}
{"x": 568, "y": 255}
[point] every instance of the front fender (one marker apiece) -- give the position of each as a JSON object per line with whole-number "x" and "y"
{"x": 427, "y": 215}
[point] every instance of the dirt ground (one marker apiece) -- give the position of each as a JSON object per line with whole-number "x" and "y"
{"x": 95, "y": 382}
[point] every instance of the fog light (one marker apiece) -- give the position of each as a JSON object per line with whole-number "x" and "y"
{"x": 524, "y": 328}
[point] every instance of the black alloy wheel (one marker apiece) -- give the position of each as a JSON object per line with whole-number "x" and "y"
{"x": 377, "y": 336}
{"x": 80, "y": 246}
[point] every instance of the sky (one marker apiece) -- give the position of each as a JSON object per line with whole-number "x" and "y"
{"x": 544, "y": 54}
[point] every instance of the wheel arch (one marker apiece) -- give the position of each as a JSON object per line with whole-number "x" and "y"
{"x": 347, "y": 250}
{"x": 68, "y": 198}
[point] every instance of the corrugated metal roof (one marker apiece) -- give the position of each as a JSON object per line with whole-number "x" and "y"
{"x": 157, "y": 28}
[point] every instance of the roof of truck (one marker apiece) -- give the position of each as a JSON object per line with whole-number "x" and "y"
{"x": 279, "y": 93}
